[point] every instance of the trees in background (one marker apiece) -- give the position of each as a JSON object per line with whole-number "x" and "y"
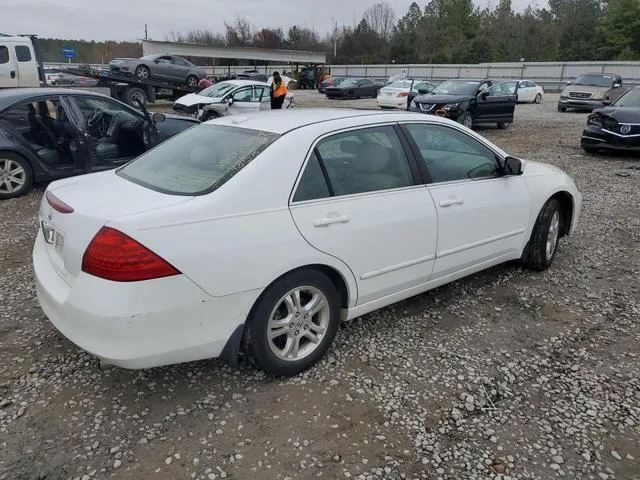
{"x": 437, "y": 31}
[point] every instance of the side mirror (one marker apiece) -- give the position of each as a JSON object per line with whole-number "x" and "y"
{"x": 568, "y": 82}
{"x": 512, "y": 166}
{"x": 616, "y": 85}
{"x": 230, "y": 101}
{"x": 484, "y": 94}
{"x": 423, "y": 91}
{"x": 159, "y": 117}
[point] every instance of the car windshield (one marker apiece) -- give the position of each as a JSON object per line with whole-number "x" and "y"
{"x": 149, "y": 57}
{"x": 218, "y": 90}
{"x": 629, "y": 99}
{"x": 594, "y": 80}
{"x": 197, "y": 161}
{"x": 456, "y": 87}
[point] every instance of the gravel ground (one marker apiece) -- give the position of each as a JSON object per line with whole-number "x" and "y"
{"x": 508, "y": 374}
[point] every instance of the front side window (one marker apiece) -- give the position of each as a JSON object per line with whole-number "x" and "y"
{"x": 102, "y": 110}
{"x": 366, "y": 160}
{"x": 243, "y": 95}
{"x": 451, "y": 155}
{"x": 23, "y": 53}
{"x": 197, "y": 161}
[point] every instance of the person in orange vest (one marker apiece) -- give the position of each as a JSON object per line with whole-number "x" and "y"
{"x": 279, "y": 91}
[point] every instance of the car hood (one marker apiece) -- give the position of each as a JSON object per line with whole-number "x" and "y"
{"x": 584, "y": 89}
{"x": 435, "y": 98}
{"x": 195, "y": 99}
{"x": 621, "y": 114}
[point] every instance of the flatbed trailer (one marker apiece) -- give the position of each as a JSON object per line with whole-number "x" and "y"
{"x": 127, "y": 87}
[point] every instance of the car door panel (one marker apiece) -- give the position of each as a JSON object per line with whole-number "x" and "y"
{"x": 482, "y": 214}
{"x": 244, "y": 101}
{"x": 498, "y": 103}
{"x": 387, "y": 237}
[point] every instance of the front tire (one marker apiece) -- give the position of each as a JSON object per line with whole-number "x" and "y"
{"x": 503, "y": 125}
{"x": 293, "y": 323}
{"x": 143, "y": 72}
{"x": 543, "y": 245}
{"x": 16, "y": 177}
{"x": 538, "y": 99}
{"x": 466, "y": 119}
{"x": 562, "y": 109}
{"x": 588, "y": 149}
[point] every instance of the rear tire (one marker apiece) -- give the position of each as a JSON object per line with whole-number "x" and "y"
{"x": 543, "y": 245}
{"x": 280, "y": 327}
{"x": 135, "y": 93}
{"x": 16, "y": 177}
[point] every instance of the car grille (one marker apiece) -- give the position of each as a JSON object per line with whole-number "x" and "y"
{"x": 191, "y": 109}
{"x": 426, "y": 107}
{"x": 580, "y": 95}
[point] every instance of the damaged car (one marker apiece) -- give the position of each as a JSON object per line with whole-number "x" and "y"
{"x": 231, "y": 97}
{"x": 616, "y": 127}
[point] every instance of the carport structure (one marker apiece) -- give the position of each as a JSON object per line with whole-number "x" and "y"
{"x": 150, "y": 47}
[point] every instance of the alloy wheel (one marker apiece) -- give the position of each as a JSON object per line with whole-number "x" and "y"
{"x": 12, "y": 176}
{"x": 552, "y": 235}
{"x": 298, "y": 323}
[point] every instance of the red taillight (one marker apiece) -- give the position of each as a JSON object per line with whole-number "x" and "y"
{"x": 115, "y": 256}
{"x": 403, "y": 94}
{"x": 57, "y": 204}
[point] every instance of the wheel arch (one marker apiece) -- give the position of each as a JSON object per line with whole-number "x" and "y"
{"x": 17, "y": 151}
{"x": 237, "y": 340}
{"x": 567, "y": 203}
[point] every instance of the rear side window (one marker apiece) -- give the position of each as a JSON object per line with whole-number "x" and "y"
{"x": 197, "y": 161}
{"x": 23, "y": 53}
{"x": 4, "y": 55}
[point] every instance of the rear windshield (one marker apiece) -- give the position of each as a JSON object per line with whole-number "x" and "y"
{"x": 197, "y": 161}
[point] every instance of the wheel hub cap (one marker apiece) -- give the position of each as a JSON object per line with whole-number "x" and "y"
{"x": 552, "y": 235}
{"x": 298, "y": 323}
{"x": 12, "y": 176}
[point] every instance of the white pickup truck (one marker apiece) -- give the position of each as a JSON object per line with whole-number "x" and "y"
{"x": 18, "y": 62}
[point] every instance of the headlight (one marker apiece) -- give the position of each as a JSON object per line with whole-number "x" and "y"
{"x": 451, "y": 106}
{"x": 413, "y": 104}
{"x": 594, "y": 120}
{"x": 597, "y": 95}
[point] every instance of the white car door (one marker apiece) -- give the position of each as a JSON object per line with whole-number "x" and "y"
{"x": 244, "y": 101}
{"x": 8, "y": 70}
{"x": 482, "y": 214}
{"x": 358, "y": 200}
{"x": 526, "y": 92}
{"x": 263, "y": 97}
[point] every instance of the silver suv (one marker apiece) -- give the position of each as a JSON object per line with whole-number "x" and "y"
{"x": 590, "y": 91}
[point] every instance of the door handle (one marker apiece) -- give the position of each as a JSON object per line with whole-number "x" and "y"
{"x": 12, "y": 73}
{"x": 323, "y": 222}
{"x": 451, "y": 202}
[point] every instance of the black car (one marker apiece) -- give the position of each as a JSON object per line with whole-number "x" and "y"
{"x": 616, "y": 127}
{"x": 353, "y": 88}
{"x": 329, "y": 82}
{"x": 470, "y": 102}
{"x": 51, "y": 133}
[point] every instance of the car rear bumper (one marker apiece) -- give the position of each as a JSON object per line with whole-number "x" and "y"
{"x": 392, "y": 101}
{"x": 566, "y": 102}
{"x": 138, "y": 324}
{"x": 596, "y": 137}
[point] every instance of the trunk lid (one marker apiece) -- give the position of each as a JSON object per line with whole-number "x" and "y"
{"x": 96, "y": 199}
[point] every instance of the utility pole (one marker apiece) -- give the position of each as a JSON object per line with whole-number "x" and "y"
{"x": 145, "y": 32}
{"x": 335, "y": 37}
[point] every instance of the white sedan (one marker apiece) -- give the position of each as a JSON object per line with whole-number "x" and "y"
{"x": 395, "y": 94}
{"x": 529, "y": 91}
{"x": 261, "y": 233}
{"x": 230, "y": 97}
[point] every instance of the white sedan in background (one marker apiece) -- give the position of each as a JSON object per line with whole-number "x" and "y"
{"x": 262, "y": 232}
{"x": 230, "y": 97}
{"x": 530, "y": 92}
{"x": 396, "y": 93}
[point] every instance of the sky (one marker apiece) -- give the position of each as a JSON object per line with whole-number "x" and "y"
{"x": 125, "y": 19}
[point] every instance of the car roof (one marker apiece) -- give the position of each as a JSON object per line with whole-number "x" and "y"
{"x": 11, "y": 96}
{"x": 283, "y": 121}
